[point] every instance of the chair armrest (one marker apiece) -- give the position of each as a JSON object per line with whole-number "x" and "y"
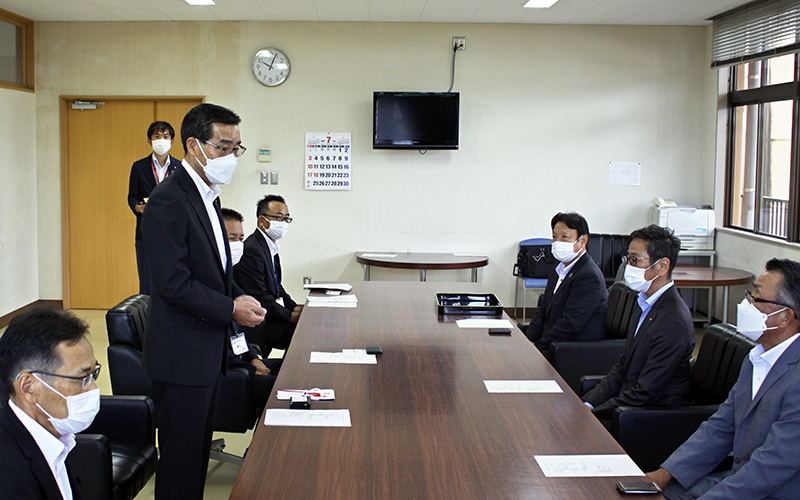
{"x": 587, "y": 383}
{"x": 651, "y": 434}
{"x": 90, "y": 461}
{"x": 575, "y": 359}
{"x": 126, "y": 418}
{"x": 127, "y": 372}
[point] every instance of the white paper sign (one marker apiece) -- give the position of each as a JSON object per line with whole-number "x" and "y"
{"x": 624, "y": 174}
{"x": 307, "y": 418}
{"x": 587, "y": 465}
{"x": 332, "y": 301}
{"x": 352, "y": 357}
{"x": 328, "y": 158}
{"x": 522, "y": 386}
{"x": 483, "y": 323}
{"x": 313, "y": 394}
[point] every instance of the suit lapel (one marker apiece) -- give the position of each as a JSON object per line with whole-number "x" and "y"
{"x": 268, "y": 257}
{"x": 782, "y": 366}
{"x": 30, "y": 449}
{"x": 196, "y": 202}
{"x": 580, "y": 262}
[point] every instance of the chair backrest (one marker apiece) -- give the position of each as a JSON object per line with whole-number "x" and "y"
{"x": 607, "y": 251}
{"x": 719, "y": 360}
{"x": 126, "y": 322}
{"x": 621, "y": 302}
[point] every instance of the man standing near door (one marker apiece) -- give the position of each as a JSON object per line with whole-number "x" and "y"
{"x": 193, "y": 301}
{"x": 146, "y": 174}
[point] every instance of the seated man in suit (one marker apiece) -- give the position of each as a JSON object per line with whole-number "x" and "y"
{"x": 263, "y": 372}
{"x": 48, "y": 370}
{"x": 146, "y": 174}
{"x": 575, "y": 301}
{"x": 759, "y": 423}
{"x": 259, "y": 275}
{"x": 653, "y": 369}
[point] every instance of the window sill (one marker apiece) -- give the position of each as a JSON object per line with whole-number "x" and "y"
{"x": 758, "y": 237}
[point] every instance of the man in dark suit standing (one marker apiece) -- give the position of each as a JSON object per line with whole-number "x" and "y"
{"x": 48, "y": 369}
{"x": 653, "y": 369}
{"x": 575, "y": 300}
{"x": 146, "y": 174}
{"x": 759, "y": 423}
{"x": 259, "y": 274}
{"x": 193, "y": 301}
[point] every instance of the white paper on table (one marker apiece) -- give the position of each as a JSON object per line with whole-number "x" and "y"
{"x": 483, "y": 323}
{"x": 332, "y": 301}
{"x": 315, "y": 394}
{"x": 353, "y": 358}
{"x": 378, "y": 255}
{"x": 345, "y": 287}
{"x": 307, "y": 418}
{"x": 587, "y": 465}
{"x": 522, "y": 386}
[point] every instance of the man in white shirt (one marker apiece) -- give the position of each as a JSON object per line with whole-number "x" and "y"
{"x": 48, "y": 370}
{"x": 760, "y": 421}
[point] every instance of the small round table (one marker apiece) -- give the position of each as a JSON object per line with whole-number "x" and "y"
{"x": 422, "y": 261}
{"x": 691, "y": 276}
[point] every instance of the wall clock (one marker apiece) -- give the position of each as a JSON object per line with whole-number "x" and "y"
{"x": 271, "y": 67}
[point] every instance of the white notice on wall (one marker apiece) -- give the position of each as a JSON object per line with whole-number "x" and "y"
{"x": 328, "y": 158}
{"x": 624, "y": 174}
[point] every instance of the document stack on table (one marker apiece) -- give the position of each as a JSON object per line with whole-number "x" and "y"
{"x": 332, "y": 295}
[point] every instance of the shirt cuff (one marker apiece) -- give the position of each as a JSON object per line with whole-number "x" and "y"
{"x": 589, "y": 405}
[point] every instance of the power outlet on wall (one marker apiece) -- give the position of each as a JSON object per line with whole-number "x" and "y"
{"x": 459, "y": 43}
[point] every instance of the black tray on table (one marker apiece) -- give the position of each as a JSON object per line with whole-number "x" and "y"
{"x": 468, "y": 303}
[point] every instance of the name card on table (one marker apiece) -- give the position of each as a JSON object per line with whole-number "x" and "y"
{"x": 522, "y": 386}
{"x": 347, "y": 356}
{"x": 307, "y": 418}
{"x": 587, "y": 465}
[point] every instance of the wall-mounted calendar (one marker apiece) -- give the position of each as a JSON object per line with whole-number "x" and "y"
{"x": 328, "y": 159}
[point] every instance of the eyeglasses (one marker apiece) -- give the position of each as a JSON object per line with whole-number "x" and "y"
{"x": 633, "y": 260}
{"x": 753, "y": 299}
{"x": 85, "y": 381}
{"x": 281, "y": 218}
{"x": 226, "y": 150}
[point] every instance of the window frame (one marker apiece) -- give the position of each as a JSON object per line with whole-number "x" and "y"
{"x": 28, "y": 62}
{"x": 760, "y": 96}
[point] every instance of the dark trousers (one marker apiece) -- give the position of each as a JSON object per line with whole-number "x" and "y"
{"x": 285, "y": 333}
{"x": 144, "y": 269}
{"x": 185, "y": 426}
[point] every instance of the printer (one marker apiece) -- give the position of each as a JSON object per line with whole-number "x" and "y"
{"x": 694, "y": 226}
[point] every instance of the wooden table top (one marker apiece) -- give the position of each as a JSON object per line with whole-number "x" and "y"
{"x": 423, "y": 424}
{"x": 687, "y": 275}
{"x": 417, "y": 260}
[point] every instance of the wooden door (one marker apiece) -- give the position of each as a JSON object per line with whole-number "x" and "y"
{"x": 100, "y": 146}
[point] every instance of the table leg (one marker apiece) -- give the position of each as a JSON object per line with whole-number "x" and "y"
{"x": 422, "y": 276}
{"x": 725, "y": 304}
{"x": 366, "y": 272}
{"x": 474, "y": 274}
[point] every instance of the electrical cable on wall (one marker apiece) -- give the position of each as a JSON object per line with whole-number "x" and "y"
{"x": 453, "y": 70}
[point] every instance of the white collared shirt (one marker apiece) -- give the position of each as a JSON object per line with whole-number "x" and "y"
{"x": 563, "y": 270}
{"x": 208, "y": 195}
{"x": 161, "y": 172}
{"x": 55, "y": 450}
{"x": 646, "y": 303}
{"x": 274, "y": 248}
{"x": 763, "y": 361}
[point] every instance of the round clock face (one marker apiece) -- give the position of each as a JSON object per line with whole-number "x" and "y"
{"x": 271, "y": 67}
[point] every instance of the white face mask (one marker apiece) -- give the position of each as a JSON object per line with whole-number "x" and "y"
{"x": 218, "y": 170}
{"x": 161, "y": 146}
{"x": 634, "y": 278}
{"x": 237, "y": 249}
{"x": 277, "y": 229}
{"x": 751, "y": 322}
{"x": 82, "y": 408}
{"x": 564, "y": 250}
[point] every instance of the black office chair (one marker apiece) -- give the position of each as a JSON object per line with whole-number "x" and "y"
{"x": 126, "y": 326}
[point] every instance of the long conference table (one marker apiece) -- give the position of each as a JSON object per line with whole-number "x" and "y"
{"x": 423, "y": 423}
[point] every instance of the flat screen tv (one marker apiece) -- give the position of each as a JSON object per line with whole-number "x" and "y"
{"x": 415, "y": 120}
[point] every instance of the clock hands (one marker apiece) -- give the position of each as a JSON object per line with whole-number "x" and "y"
{"x": 273, "y": 62}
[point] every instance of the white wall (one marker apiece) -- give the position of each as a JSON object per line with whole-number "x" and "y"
{"x": 543, "y": 111}
{"x": 19, "y": 273}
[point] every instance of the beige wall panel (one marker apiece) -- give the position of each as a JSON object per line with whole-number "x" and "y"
{"x": 543, "y": 111}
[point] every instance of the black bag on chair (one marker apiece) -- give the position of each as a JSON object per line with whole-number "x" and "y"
{"x": 535, "y": 261}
